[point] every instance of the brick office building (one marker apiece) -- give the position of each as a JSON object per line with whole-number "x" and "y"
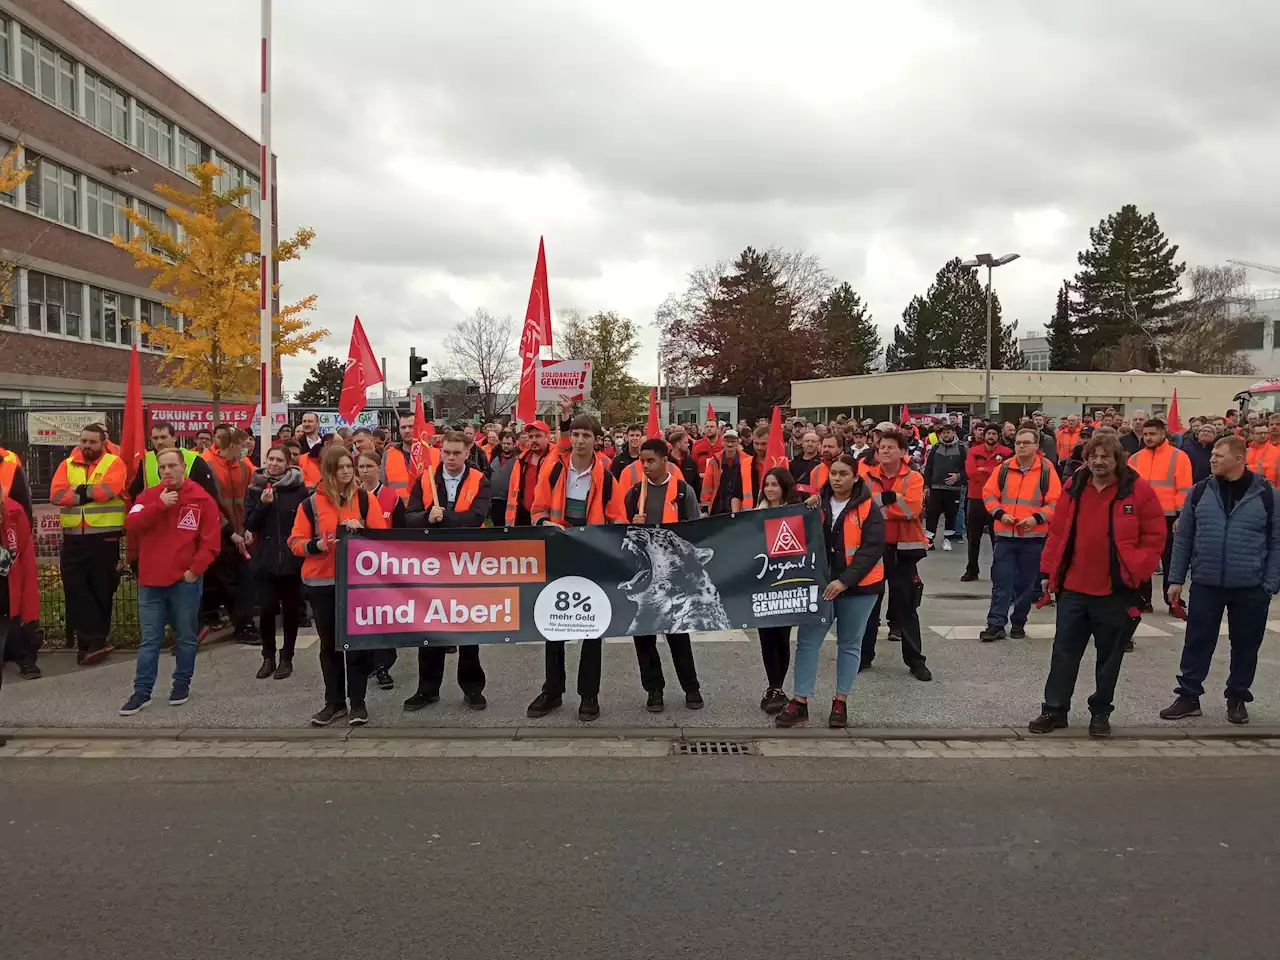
{"x": 102, "y": 125}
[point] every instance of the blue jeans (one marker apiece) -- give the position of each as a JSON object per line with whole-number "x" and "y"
{"x": 1246, "y": 609}
{"x": 964, "y": 505}
{"x": 178, "y": 604}
{"x": 851, "y": 613}
{"x": 1015, "y": 579}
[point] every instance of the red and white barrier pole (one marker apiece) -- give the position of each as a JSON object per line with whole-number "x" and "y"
{"x": 266, "y": 233}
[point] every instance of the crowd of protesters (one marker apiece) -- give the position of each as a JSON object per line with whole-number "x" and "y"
{"x": 1081, "y": 514}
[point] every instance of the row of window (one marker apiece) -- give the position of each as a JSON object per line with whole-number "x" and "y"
{"x": 47, "y": 71}
{"x": 56, "y": 306}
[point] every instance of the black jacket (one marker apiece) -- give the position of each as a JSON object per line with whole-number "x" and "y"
{"x": 1199, "y": 455}
{"x": 689, "y": 470}
{"x": 415, "y": 514}
{"x": 942, "y": 462}
{"x": 621, "y": 460}
{"x": 271, "y": 523}
{"x": 869, "y": 553}
{"x": 1132, "y": 442}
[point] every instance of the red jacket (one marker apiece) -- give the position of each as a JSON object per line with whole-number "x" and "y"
{"x": 173, "y": 540}
{"x": 703, "y": 451}
{"x": 980, "y": 465}
{"x": 24, "y": 587}
{"x": 1137, "y": 533}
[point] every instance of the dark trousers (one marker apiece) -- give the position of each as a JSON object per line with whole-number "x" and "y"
{"x": 227, "y": 583}
{"x": 89, "y": 565}
{"x": 431, "y": 669}
{"x": 588, "y": 668}
{"x": 1146, "y": 590}
{"x": 1015, "y": 579}
{"x": 384, "y": 659}
{"x": 976, "y": 521}
{"x": 24, "y": 640}
{"x": 346, "y": 674}
{"x": 498, "y": 513}
{"x": 945, "y": 504}
{"x": 775, "y": 651}
{"x": 1080, "y": 616}
{"x": 1246, "y": 609}
{"x": 7, "y": 626}
{"x": 651, "y": 663}
{"x": 279, "y": 596}
{"x": 900, "y": 577}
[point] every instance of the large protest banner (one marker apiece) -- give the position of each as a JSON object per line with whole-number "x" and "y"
{"x": 408, "y": 588}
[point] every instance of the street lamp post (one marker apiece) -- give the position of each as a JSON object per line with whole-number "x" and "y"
{"x": 990, "y": 262}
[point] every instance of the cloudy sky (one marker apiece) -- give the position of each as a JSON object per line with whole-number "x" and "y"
{"x": 430, "y": 143}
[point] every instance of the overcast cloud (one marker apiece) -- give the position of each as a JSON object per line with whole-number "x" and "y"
{"x": 431, "y": 143}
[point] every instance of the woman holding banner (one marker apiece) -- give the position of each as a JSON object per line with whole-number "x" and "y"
{"x": 337, "y": 504}
{"x": 369, "y": 470}
{"x": 853, "y": 533}
{"x": 777, "y": 490}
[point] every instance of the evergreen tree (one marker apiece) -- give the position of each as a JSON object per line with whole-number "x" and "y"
{"x": 948, "y": 326}
{"x": 911, "y": 346}
{"x": 1063, "y": 351}
{"x": 1005, "y": 352}
{"x": 1127, "y": 287}
{"x": 323, "y": 386}
{"x": 848, "y": 341}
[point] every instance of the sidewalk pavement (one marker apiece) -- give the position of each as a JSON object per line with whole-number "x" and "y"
{"x": 976, "y": 685}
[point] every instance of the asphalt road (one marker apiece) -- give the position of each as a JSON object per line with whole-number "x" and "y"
{"x": 692, "y": 857}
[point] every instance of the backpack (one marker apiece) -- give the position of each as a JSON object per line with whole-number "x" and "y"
{"x": 1044, "y": 478}
{"x": 1268, "y": 502}
{"x": 606, "y": 493}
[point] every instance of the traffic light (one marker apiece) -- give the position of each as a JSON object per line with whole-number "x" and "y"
{"x": 417, "y": 367}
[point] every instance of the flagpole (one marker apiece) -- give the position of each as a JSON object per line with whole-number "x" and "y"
{"x": 265, "y": 232}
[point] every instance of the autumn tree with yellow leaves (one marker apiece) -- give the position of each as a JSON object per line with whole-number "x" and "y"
{"x": 211, "y": 277}
{"x": 12, "y": 176}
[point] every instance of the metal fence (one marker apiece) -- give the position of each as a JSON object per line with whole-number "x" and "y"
{"x": 126, "y": 628}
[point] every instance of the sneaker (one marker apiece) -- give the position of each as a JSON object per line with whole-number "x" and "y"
{"x": 329, "y": 714}
{"x": 385, "y": 681}
{"x": 134, "y": 704}
{"x": 284, "y": 671}
{"x": 1099, "y": 727}
{"x": 179, "y": 695}
{"x": 248, "y": 636}
{"x": 795, "y": 714}
{"x": 359, "y": 715}
{"x": 895, "y": 634}
{"x": 1148, "y": 608}
{"x": 968, "y": 577}
{"x": 1047, "y": 722}
{"x": 589, "y": 709}
{"x": 991, "y": 634}
{"x": 543, "y": 704}
{"x": 773, "y": 701}
{"x": 1018, "y": 631}
{"x": 29, "y": 671}
{"x": 921, "y": 672}
{"x": 95, "y": 657}
{"x": 946, "y": 546}
{"x": 654, "y": 704}
{"x": 267, "y": 669}
{"x": 693, "y": 700}
{"x": 475, "y": 701}
{"x": 1181, "y": 708}
{"x": 420, "y": 700}
{"x": 1237, "y": 712}
{"x": 840, "y": 712}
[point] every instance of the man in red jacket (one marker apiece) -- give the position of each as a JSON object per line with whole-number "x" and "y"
{"x": 1106, "y": 538}
{"x": 179, "y": 532}
{"x": 982, "y": 461}
{"x": 19, "y": 586}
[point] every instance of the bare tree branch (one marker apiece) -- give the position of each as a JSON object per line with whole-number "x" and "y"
{"x": 482, "y": 350}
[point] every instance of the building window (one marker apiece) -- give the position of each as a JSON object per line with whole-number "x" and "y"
{"x": 159, "y": 219}
{"x": 56, "y": 193}
{"x": 8, "y": 313}
{"x": 66, "y": 83}
{"x": 10, "y": 197}
{"x": 35, "y": 300}
{"x": 105, "y": 216}
{"x": 255, "y": 196}
{"x": 53, "y": 304}
{"x": 190, "y": 152}
{"x": 4, "y": 48}
{"x": 95, "y": 313}
{"x": 106, "y": 107}
{"x": 1251, "y": 335}
{"x": 156, "y": 315}
{"x": 153, "y": 135}
{"x": 104, "y": 315}
{"x": 48, "y": 72}
{"x": 72, "y": 303}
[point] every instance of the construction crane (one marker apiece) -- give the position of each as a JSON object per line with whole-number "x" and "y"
{"x": 1255, "y": 266}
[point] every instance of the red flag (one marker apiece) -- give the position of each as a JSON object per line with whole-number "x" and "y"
{"x": 776, "y": 454}
{"x": 535, "y": 335}
{"x": 423, "y": 431}
{"x": 362, "y": 372}
{"x": 654, "y": 428}
{"x": 906, "y": 414}
{"x": 1175, "y": 422}
{"x": 133, "y": 443}
{"x": 711, "y": 411}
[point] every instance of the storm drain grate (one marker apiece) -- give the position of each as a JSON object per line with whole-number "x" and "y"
{"x": 713, "y": 748}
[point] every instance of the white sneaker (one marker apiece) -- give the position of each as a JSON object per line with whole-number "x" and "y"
{"x": 946, "y": 545}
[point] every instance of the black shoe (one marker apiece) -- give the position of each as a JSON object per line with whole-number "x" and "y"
{"x": 329, "y": 714}
{"x": 451, "y": 649}
{"x": 420, "y": 700}
{"x": 1148, "y": 608}
{"x": 543, "y": 704}
{"x": 992, "y": 634}
{"x": 895, "y": 634}
{"x": 267, "y": 669}
{"x": 839, "y": 714}
{"x": 1099, "y": 727}
{"x": 1018, "y": 631}
{"x": 1047, "y": 722}
{"x": 654, "y": 704}
{"x": 247, "y": 636}
{"x": 1181, "y": 708}
{"x": 1237, "y": 712}
{"x": 773, "y": 701}
{"x": 589, "y": 709}
{"x": 475, "y": 701}
{"x": 359, "y": 715}
{"x": 865, "y": 665}
{"x": 968, "y": 577}
{"x": 284, "y": 671}
{"x": 383, "y": 676}
{"x": 921, "y": 672}
{"x": 796, "y": 714}
{"x": 305, "y": 621}
{"x": 693, "y": 700}
{"x": 1128, "y": 646}
{"x": 29, "y": 671}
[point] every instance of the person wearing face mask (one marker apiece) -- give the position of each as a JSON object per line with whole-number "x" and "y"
{"x": 275, "y": 493}
{"x": 854, "y": 538}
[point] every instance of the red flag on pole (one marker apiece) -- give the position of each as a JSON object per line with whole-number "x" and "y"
{"x": 776, "y": 452}
{"x": 535, "y": 335}
{"x": 1175, "y": 422}
{"x": 362, "y": 372}
{"x": 711, "y": 411}
{"x": 906, "y": 414}
{"x": 423, "y": 431}
{"x": 133, "y": 436}
{"x": 654, "y": 429}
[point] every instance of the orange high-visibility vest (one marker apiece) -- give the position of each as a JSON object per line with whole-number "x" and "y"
{"x": 467, "y": 490}
{"x": 398, "y": 472}
{"x": 552, "y": 490}
{"x": 818, "y": 477}
{"x": 1167, "y": 469}
{"x": 715, "y": 470}
{"x": 1263, "y": 460}
{"x": 1015, "y": 494}
{"x": 670, "y": 505}
{"x": 852, "y": 522}
{"x": 902, "y": 523}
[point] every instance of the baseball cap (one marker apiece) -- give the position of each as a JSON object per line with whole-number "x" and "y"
{"x": 537, "y": 425}
{"x": 731, "y": 433}
{"x": 884, "y": 426}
